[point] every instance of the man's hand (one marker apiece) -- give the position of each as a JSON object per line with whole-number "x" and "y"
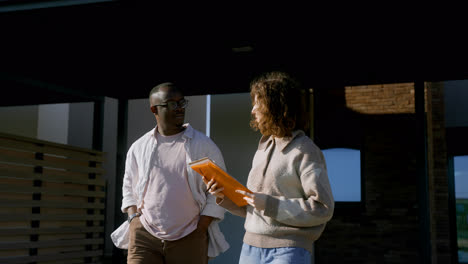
{"x": 256, "y": 200}
{"x": 203, "y": 223}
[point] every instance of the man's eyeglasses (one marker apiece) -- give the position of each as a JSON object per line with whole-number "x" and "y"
{"x": 173, "y": 105}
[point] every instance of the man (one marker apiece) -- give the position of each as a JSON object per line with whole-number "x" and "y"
{"x": 171, "y": 216}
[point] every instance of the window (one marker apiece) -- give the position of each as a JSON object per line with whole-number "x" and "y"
{"x": 460, "y": 166}
{"x": 344, "y": 172}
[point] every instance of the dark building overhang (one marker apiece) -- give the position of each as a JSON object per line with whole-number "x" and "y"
{"x": 122, "y": 49}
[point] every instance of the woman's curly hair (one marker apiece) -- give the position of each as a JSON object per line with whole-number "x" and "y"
{"x": 281, "y": 102}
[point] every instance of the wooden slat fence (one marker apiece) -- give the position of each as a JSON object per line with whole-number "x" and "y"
{"x": 52, "y": 199}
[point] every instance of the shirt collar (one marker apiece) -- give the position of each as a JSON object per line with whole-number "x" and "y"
{"x": 188, "y": 132}
{"x": 282, "y": 143}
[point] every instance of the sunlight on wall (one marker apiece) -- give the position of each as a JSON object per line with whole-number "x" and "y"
{"x": 380, "y": 99}
{"x": 208, "y": 114}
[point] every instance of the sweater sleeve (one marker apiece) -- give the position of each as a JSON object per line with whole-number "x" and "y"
{"x": 229, "y": 205}
{"x": 317, "y": 205}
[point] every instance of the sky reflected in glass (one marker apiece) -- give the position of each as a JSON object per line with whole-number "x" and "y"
{"x": 344, "y": 172}
{"x": 460, "y": 164}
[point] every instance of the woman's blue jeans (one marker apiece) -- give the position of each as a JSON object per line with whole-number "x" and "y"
{"x": 283, "y": 255}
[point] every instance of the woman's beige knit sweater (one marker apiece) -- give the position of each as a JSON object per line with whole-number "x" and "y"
{"x": 293, "y": 173}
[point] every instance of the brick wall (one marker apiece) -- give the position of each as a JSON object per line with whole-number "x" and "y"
{"x": 381, "y": 99}
{"x": 380, "y": 121}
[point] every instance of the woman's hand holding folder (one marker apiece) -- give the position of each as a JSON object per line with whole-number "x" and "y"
{"x": 256, "y": 200}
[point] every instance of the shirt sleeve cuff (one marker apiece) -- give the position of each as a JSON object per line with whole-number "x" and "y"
{"x": 126, "y": 203}
{"x": 214, "y": 211}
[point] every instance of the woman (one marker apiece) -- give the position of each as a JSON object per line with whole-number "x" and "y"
{"x": 292, "y": 199}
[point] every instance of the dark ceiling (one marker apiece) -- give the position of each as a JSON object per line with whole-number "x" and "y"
{"x": 122, "y": 49}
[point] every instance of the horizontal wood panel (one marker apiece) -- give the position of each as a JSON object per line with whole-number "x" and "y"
{"x": 52, "y": 204}
{"x": 18, "y": 158}
{"x": 73, "y": 261}
{"x": 31, "y": 190}
{"x": 67, "y": 217}
{"x": 12, "y": 253}
{"x": 91, "y": 156}
{"x": 50, "y": 230}
{"x": 50, "y": 243}
{"x": 50, "y": 257}
{"x": 48, "y": 210}
{"x": 22, "y": 172}
{"x": 47, "y": 149}
{"x": 78, "y": 224}
{"x": 48, "y": 143}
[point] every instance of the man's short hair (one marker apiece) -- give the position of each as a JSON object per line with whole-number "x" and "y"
{"x": 159, "y": 86}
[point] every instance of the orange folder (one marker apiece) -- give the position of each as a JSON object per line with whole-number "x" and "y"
{"x": 207, "y": 168}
